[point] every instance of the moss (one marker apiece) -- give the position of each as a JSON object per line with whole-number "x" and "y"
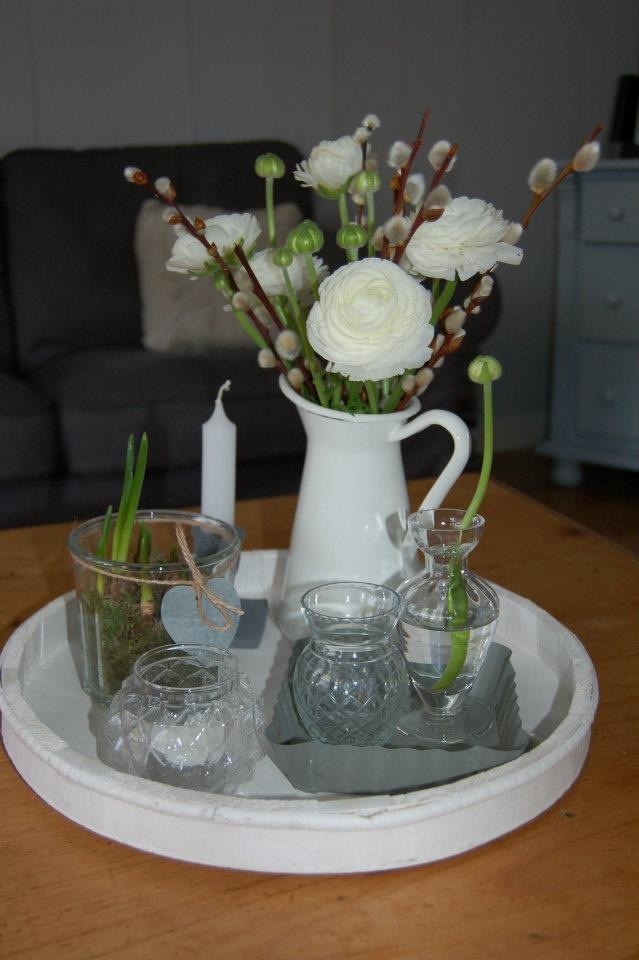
{"x": 117, "y": 632}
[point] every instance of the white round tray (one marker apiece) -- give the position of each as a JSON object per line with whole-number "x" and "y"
{"x": 47, "y": 724}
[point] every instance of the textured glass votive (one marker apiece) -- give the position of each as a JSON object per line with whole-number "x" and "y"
{"x": 186, "y": 717}
{"x": 350, "y": 681}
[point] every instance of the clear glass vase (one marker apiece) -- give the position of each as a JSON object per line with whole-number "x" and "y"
{"x": 447, "y": 620}
{"x": 350, "y": 682}
{"x": 187, "y": 717}
{"x": 120, "y": 602}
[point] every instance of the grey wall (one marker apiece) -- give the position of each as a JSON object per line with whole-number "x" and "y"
{"x": 511, "y": 81}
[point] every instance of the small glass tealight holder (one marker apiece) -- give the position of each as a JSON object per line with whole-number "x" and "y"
{"x": 187, "y": 717}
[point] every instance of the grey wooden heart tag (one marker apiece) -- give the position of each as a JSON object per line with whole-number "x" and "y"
{"x": 182, "y": 620}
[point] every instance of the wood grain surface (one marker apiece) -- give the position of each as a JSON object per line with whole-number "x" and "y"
{"x": 561, "y": 887}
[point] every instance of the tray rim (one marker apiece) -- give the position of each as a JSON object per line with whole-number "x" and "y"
{"x": 343, "y": 813}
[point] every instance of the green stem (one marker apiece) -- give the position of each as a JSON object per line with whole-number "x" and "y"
{"x": 443, "y": 300}
{"x": 457, "y": 600}
{"x": 487, "y": 460}
{"x": 394, "y": 396}
{"x": 457, "y": 606}
{"x": 371, "y": 393}
{"x": 124, "y": 496}
{"x": 343, "y": 209}
{"x": 270, "y": 211}
{"x": 370, "y": 221}
{"x": 132, "y": 501}
{"x": 312, "y": 274}
{"x": 249, "y": 329}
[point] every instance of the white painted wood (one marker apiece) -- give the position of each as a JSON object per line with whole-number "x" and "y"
{"x": 272, "y": 827}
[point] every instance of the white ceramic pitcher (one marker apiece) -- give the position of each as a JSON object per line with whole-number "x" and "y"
{"x": 350, "y": 521}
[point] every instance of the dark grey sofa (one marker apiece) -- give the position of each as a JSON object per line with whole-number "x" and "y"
{"x": 75, "y": 379}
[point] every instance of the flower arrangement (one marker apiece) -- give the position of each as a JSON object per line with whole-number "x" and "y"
{"x": 368, "y": 337}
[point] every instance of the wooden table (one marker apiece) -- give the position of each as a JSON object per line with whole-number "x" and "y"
{"x": 564, "y": 886}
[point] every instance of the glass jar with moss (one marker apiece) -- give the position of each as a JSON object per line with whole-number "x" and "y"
{"x": 120, "y": 599}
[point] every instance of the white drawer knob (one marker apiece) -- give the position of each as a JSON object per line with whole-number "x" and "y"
{"x": 613, "y": 300}
{"x": 616, "y": 213}
{"x": 608, "y": 396}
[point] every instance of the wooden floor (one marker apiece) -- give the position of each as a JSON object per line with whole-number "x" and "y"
{"x": 607, "y": 501}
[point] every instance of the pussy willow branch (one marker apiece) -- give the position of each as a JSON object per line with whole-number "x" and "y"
{"x": 262, "y": 296}
{"x": 539, "y": 198}
{"x": 399, "y": 180}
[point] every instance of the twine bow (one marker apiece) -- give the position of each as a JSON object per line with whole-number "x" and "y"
{"x": 201, "y": 590}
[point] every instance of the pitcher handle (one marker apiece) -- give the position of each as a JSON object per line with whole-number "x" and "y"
{"x": 461, "y": 450}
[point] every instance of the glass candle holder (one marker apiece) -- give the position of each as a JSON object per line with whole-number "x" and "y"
{"x": 120, "y": 602}
{"x": 350, "y": 682}
{"x": 187, "y": 717}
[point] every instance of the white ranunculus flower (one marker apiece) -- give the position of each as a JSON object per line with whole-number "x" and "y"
{"x": 225, "y": 231}
{"x": 371, "y": 321}
{"x": 331, "y": 164}
{"x": 271, "y": 278}
{"x": 188, "y": 256}
{"x": 467, "y": 239}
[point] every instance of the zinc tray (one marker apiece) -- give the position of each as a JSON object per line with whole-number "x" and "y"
{"x": 48, "y": 723}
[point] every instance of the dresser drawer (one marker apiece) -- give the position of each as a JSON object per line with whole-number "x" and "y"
{"x": 609, "y": 306}
{"x": 610, "y": 210}
{"x": 608, "y": 393}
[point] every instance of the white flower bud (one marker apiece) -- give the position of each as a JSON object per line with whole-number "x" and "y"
{"x": 485, "y": 286}
{"x": 377, "y": 239}
{"x": 455, "y": 320}
{"x": 408, "y": 383}
{"x": 415, "y": 189}
{"x": 266, "y": 359}
{"x": 467, "y": 302}
{"x": 397, "y": 229}
{"x": 169, "y": 213}
{"x": 438, "y": 153}
{"x": 398, "y": 155}
{"x": 424, "y": 377}
{"x": 371, "y": 163}
{"x": 438, "y": 342}
{"x": 439, "y": 197}
{"x": 288, "y": 344}
{"x": 586, "y": 157}
{"x": 296, "y": 378}
{"x": 459, "y": 336}
{"x": 164, "y": 186}
{"x": 362, "y": 135}
{"x": 543, "y": 175}
{"x": 372, "y": 121}
{"x": 513, "y": 233}
{"x": 242, "y": 301}
{"x": 130, "y": 173}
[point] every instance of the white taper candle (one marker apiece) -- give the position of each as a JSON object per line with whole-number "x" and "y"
{"x": 218, "y": 462}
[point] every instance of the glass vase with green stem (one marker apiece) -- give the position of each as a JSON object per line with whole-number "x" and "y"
{"x": 482, "y": 370}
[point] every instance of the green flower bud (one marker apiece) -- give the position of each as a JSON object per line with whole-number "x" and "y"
{"x": 351, "y": 236}
{"x": 305, "y": 238}
{"x": 270, "y": 165}
{"x": 484, "y": 369}
{"x": 366, "y": 181}
{"x": 282, "y": 257}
